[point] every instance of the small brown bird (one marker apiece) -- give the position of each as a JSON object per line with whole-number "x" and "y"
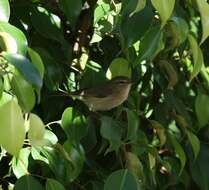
{"x": 105, "y": 96}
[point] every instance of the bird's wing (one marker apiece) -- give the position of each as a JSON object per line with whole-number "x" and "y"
{"x": 101, "y": 91}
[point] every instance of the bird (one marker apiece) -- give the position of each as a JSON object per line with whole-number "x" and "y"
{"x": 105, "y": 96}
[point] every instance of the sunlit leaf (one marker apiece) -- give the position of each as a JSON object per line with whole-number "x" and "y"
{"x": 4, "y": 10}
{"x": 119, "y": 67}
{"x": 203, "y": 7}
{"x": 17, "y": 35}
{"x": 73, "y": 124}
{"x": 121, "y": 180}
{"x": 8, "y": 43}
{"x": 20, "y": 164}
{"x": 197, "y": 57}
{"x": 36, "y": 130}
{"x": 164, "y": 8}
{"x": 12, "y": 126}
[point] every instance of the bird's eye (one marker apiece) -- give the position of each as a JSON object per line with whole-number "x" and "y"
{"x": 122, "y": 82}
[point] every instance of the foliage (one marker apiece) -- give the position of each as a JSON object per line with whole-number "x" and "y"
{"x": 158, "y": 139}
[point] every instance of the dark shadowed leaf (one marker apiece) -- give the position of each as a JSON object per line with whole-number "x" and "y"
{"x": 52, "y": 184}
{"x": 202, "y": 108}
{"x": 150, "y": 44}
{"x": 133, "y": 124}
{"x": 112, "y": 131}
{"x": 194, "y": 141}
{"x": 24, "y": 92}
{"x": 71, "y": 9}
{"x": 131, "y": 32}
{"x": 28, "y": 182}
{"x": 44, "y": 24}
{"x": 179, "y": 151}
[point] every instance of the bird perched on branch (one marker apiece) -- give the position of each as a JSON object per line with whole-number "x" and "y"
{"x": 105, "y": 96}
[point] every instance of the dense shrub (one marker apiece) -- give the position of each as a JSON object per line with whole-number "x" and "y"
{"x": 157, "y": 139}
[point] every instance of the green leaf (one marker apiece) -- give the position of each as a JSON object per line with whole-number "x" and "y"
{"x": 197, "y": 56}
{"x": 134, "y": 165}
{"x": 164, "y": 8}
{"x": 6, "y": 98}
{"x": 25, "y": 67}
{"x": 8, "y": 43}
{"x": 52, "y": 184}
{"x": 119, "y": 67}
{"x": 4, "y": 10}
{"x": 130, "y": 30}
{"x": 71, "y": 9}
{"x": 17, "y": 35}
{"x": 28, "y": 182}
{"x": 203, "y": 7}
{"x": 202, "y": 108}
{"x": 50, "y": 138}
{"x": 36, "y": 61}
{"x": 77, "y": 156}
{"x": 20, "y": 164}
{"x": 112, "y": 131}
{"x": 101, "y": 10}
{"x": 36, "y": 130}
{"x": 150, "y": 44}
{"x": 65, "y": 162}
{"x": 45, "y": 25}
{"x": 74, "y": 125}
{"x": 194, "y": 141}
{"x": 160, "y": 131}
{"x": 37, "y": 155}
{"x": 199, "y": 169}
{"x": 52, "y": 74}
{"x": 177, "y": 30}
{"x": 12, "y": 126}
{"x": 179, "y": 151}
{"x": 133, "y": 124}
{"x": 1, "y": 87}
{"x": 24, "y": 92}
{"x": 121, "y": 180}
